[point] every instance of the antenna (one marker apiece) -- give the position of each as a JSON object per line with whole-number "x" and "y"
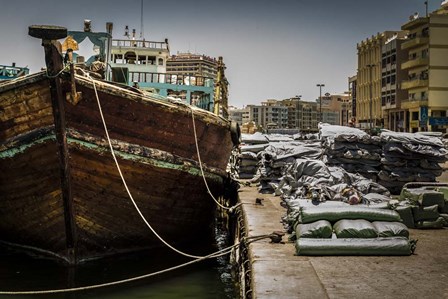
{"x": 141, "y": 20}
{"x": 426, "y": 6}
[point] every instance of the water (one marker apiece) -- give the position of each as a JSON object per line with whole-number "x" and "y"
{"x": 207, "y": 279}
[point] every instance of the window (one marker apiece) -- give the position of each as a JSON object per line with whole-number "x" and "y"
{"x": 415, "y": 115}
{"x": 160, "y": 61}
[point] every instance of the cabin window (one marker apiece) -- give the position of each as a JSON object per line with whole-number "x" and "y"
{"x": 152, "y": 60}
{"x": 130, "y": 57}
{"x": 118, "y": 58}
{"x": 160, "y": 61}
{"x": 141, "y": 59}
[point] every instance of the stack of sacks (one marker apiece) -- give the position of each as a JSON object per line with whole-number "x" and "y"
{"x": 314, "y": 180}
{"x": 424, "y": 207}
{"x": 352, "y": 149}
{"x": 410, "y": 157}
{"x": 275, "y": 158}
{"x": 351, "y": 230}
{"x": 252, "y": 144}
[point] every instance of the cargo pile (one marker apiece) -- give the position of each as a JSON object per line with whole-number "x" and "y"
{"x": 424, "y": 206}
{"x": 410, "y": 157}
{"x": 352, "y": 149}
{"x": 341, "y": 229}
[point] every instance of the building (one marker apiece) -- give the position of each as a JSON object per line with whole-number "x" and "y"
{"x": 294, "y": 111}
{"x": 149, "y": 66}
{"x": 368, "y": 88}
{"x": 352, "y": 82}
{"x": 335, "y": 108}
{"x": 240, "y": 115}
{"x": 310, "y": 117}
{"x": 192, "y": 65}
{"x": 427, "y": 69}
{"x": 302, "y": 115}
{"x": 392, "y": 56}
{"x": 270, "y": 114}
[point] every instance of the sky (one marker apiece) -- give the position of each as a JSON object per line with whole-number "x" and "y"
{"x": 274, "y": 49}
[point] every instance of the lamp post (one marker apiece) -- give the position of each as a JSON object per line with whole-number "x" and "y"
{"x": 370, "y": 66}
{"x": 320, "y": 85}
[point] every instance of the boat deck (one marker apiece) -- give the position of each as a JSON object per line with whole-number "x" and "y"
{"x": 276, "y": 272}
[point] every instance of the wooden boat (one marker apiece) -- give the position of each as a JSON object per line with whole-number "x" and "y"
{"x": 60, "y": 191}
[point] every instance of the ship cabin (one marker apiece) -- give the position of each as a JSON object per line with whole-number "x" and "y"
{"x": 11, "y": 72}
{"x": 143, "y": 64}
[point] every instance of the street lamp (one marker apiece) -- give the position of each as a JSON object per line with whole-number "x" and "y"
{"x": 320, "y": 100}
{"x": 370, "y": 66}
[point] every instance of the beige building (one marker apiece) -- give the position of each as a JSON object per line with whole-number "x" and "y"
{"x": 392, "y": 56}
{"x": 302, "y": 115}
{"x": 271, "y": 114}
{"x": 427, "y": 68}
{"x": 240, "y": 115}
{"x": 368, "y": 103}
{"x": 335, "y": 108}
{"x": 192, "y": 65}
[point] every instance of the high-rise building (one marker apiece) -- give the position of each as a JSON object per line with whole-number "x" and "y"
{"x": 427, "y": 69}
{"x": 392, "y": 56}
{"x": 192, "y": 65}
{"x": 368, "y": 103}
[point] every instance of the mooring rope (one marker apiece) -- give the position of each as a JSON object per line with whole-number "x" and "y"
{"x": 202, "y": 170}
{"x": 125, "y": 184}
{"x": 113, "y": 283}
{"x": 222, "y": 252}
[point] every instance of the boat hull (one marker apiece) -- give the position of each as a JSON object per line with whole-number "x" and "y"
{"x": 154, "y": 143}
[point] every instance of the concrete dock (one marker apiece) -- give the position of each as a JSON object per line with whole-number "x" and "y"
{"x": 276, "y": 272}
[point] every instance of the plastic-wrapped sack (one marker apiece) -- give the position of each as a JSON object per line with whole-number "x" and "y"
{"x": 425, "y": 213}
{"x": 431, "y": 198}
{"x": 308, "y": 215}
{"x": 358, "y": 228}
{"x": 445, "y": 218}
{"x": 429, "y": 224}
{"x": 406, "y": 215}
{"x": 318, "y": 229}
{"x": 391, "y": 229}
{"x": 353, "y": 246}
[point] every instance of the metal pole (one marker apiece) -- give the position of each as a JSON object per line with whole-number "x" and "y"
{"x": 301, "y": 114}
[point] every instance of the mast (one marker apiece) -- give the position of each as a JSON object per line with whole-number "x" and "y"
{"x": 141, "y": 21}
{"x": 221, "y": 91}
{"x": 53, "y": 60}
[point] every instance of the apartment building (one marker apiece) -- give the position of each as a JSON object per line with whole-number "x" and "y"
{"x": 427, "y": 69}
{"x": 302, "y": 115}
{"x": 192, "y": 65}
{"x": 240, "y": 115}
{"x": 270, "y": 114}
{"x": 369, "y": 76}
{"x": 392, "y": 56}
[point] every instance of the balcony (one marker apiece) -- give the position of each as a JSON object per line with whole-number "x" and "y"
{"x": 414, "y": 83}
{"x": 415, "y": 42}
{"x": 412, "y": 104}
{"x": 420, "y": 61}
{"x": 414, "y": 23}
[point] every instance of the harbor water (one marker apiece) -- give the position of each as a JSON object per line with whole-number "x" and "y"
{"x": 206, "y": 279}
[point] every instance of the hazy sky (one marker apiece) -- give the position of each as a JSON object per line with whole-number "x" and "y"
{"x": 272, "y": 49}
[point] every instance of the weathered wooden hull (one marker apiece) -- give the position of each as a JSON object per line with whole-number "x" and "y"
{"x": 155, "y": 148}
